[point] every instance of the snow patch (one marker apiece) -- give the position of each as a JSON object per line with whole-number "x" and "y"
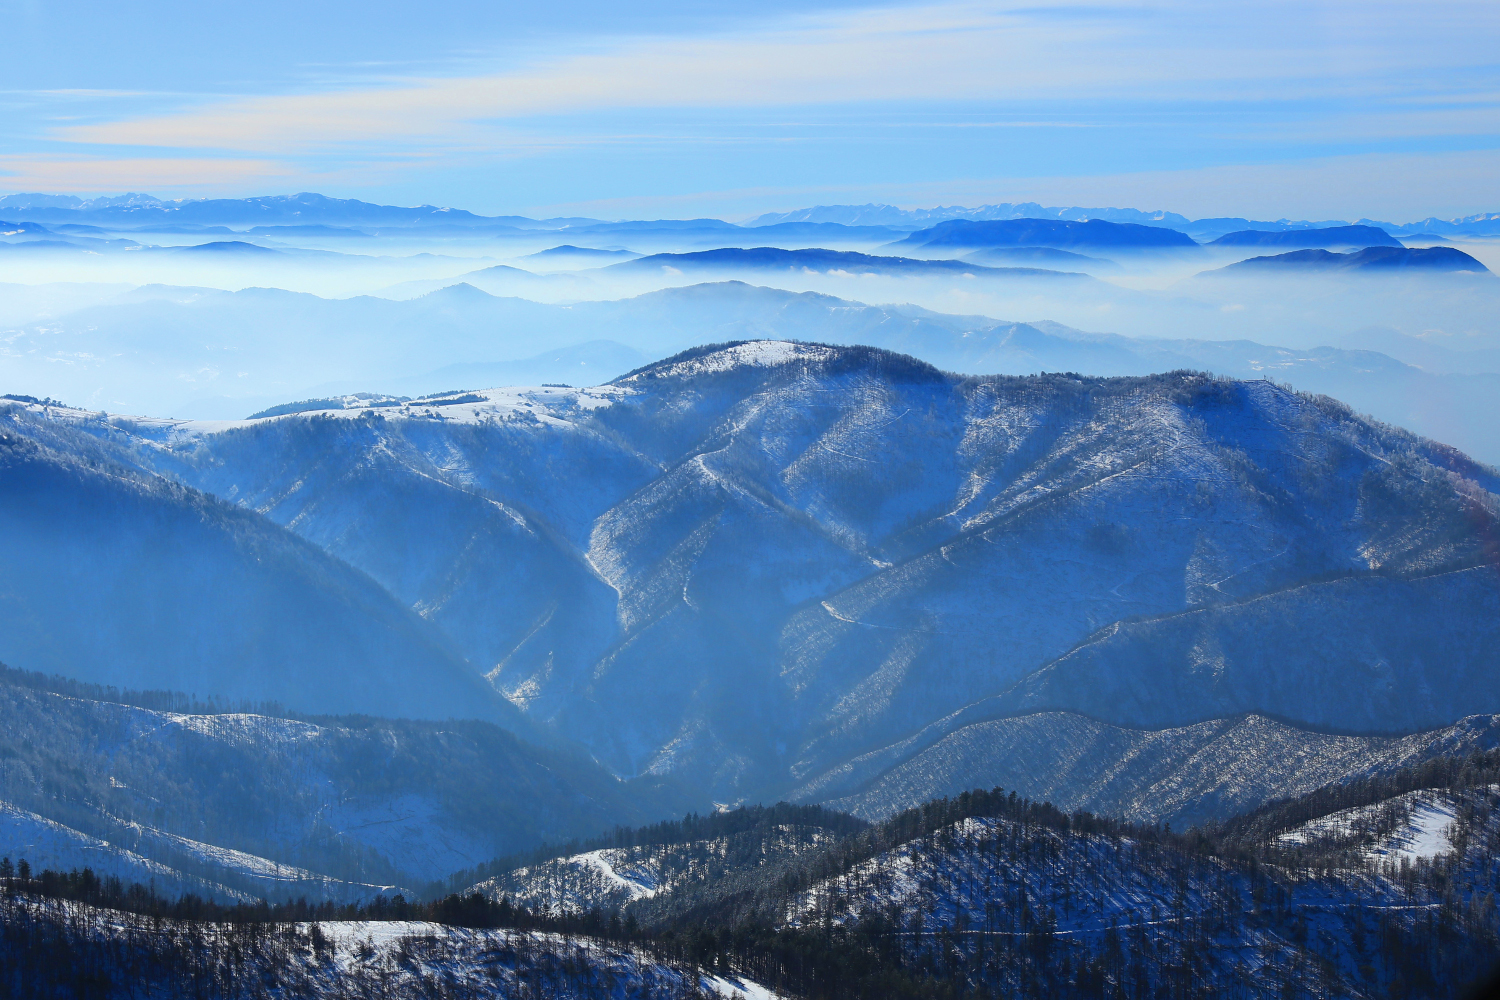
{"x": 758, "y": 353}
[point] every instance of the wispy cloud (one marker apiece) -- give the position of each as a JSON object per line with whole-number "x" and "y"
{"x": 1169, "y": 50}
{"x": 862, "y": 101}
{"x": 1392, "y": 187}
{"x": 86, "y": 174}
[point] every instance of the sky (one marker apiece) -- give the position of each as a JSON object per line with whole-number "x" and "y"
{"x": 1309, "y": 109}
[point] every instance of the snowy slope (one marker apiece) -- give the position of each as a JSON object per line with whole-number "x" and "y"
{"x": 604, "y": 878}
{"x": 748, "y": 566}
{"x": 1417, "y": 826}
{"x": 612, "y": 878}
{"x": 986, "y": 898}
{"x": 388, "y": 958}
{"x": 24, "y": 835}
{"x": 1180, "y": 775}
{"x": 1018, "y": 898}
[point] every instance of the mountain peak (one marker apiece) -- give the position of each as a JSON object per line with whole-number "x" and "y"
{"x": 712, "y": 359}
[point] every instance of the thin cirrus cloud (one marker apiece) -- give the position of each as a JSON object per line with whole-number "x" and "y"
{"x": 1168, "y": 52}
{"x": 78, "y": 173}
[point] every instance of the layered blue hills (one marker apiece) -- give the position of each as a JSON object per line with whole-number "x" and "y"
{"x": 1093, "y": 233}
{"x": 1370, "y": 259}
{"x": 1305, "y": 239}
{"x": 773, "y": 258}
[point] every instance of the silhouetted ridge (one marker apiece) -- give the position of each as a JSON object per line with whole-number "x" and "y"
{"x": 229, "y": 247}
{"x": 1047, "y": 233}
{"x": 819, "y": 259}
{"x": 1330, "y": 236}
{"x": 152, "y": 700}
{"x": 1378, "y": 258}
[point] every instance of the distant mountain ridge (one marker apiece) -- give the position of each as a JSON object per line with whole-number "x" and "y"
{"x": 1370, "y": 259}
{"x": 299, "y": 209}
{"x": 302, "y": 341}
{"x": 1311, "y": 239}
{"x": 734, "y": 260}
{"x": 314, "y": 209}
{"x": 1057, "y": 234}
{"x": 1483, "y": 223}
{"x": 889, "y": 215}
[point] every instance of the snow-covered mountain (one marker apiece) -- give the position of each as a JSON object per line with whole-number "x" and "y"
{"x": 27, "y": 835}
{"x": 749, "y": 566}
{"x": 124, "y": 953}
{"x": 1180, "y": 775}
{"x": 672, "y": 863}
{"x": 1347, "y": 891}
{"x": 983, "y": 890}
{"x": 1354, "y": 891}
{"x": 139, "y": 210}
{"x": 162, "y": 350}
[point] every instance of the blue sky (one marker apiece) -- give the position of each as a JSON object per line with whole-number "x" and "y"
{"x": 1307, "y": 109}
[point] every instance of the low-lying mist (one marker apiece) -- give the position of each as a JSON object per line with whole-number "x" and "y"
{"x": 242, "y": 321}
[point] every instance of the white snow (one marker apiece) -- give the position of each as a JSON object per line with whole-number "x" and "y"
{"x": 736, "y": 988}
{"x": 265, "y": 870}
{"x": 1426, "y": 834}
{"x": 45, "y": 843}
{"x": 1422, "y": 835}
{"x": 642, "y": 885}
{"x": 551, "y": 405}
{"x": 401, "y": 954}
{"x": 762, "y": 353}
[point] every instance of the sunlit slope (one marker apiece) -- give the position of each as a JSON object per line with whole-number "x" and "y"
{"x": 747, "y": 564}
{"x": 116, "y": 576}
{"x": 1181, "y": 775}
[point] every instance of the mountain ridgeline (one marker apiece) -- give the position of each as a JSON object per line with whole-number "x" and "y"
{"x": 766, "y": 567}
{"x": 1367, "y": 890}
{"x": 244, "y": 802}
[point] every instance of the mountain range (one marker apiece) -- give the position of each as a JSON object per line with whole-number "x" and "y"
{"x": 1373, "y": 258}
{"x": 543, "y": 607}
{"x": 207, "y": 353}
{"x": 864, "y": 528}
{"x": 729, "y": 261}
{"x": 1304, "y": 239}
{"x": 1361, "y": 889}
{"x": 1064, "y": 235}
{"x": 140, "y": 210}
